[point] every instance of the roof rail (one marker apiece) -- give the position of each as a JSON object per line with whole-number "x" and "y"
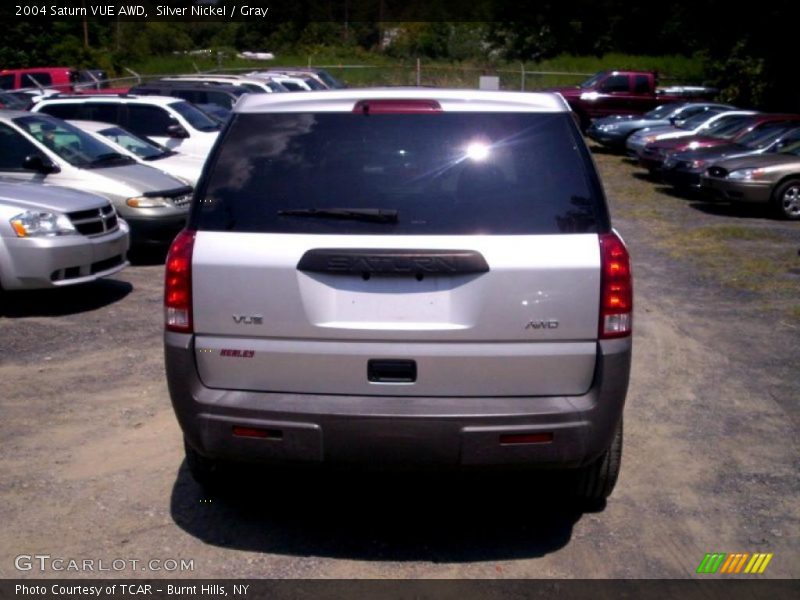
{"x": 100, "y": 95}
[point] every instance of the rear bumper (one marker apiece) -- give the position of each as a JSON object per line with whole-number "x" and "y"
{"x": 385, "y": 430}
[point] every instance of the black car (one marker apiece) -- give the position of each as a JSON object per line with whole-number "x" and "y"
{"x": 196, "y": 93}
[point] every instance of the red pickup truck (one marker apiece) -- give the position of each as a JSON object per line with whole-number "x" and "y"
{"x": 62, "y": 79}
{"x": 625, "y": 92}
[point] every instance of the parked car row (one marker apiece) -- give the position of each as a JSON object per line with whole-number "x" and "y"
{"x": 83, "y": 176}
{"x": 724, "y": 153}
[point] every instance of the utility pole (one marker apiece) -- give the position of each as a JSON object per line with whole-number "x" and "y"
{"x": 85, "y": 27}
{"x": 346, "y": 19}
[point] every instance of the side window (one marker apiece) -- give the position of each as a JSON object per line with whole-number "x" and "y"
{"x": 6, "y": 82}
{"x": 221, "y": 99}
{"x": 190, "y": 96}
{"x": 149, "y": 120}
{"x": 103, "y": 112}
{"x": 615, "y": 83}
{"x": 13, "y": 149}
{"x": 691, "y": 111}
{"x": 66, "y": 111}
{"x": 641, "y": 84}
{"x": 31, "y": 79}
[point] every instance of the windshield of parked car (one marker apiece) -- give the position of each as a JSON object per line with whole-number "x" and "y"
{"x": 252, "y": 87}
{"x": 144, "y": 149}
{"x": 763, "y": 136}
{"x": 330, "y": 80}
{"x": 70, "y": 143}
{"x": 215, "y": 111}
{"x": 292, "y": 86}
{"x": 276, "y": 87}
{"x": 313, "y": 83}
{"x": 661, "y": 112}
{"x": 196, "y": 118}
{"x": 696, "y": 121}
{"x": 446, "y": 173}
{"x": 729, "y": 127}
{"x": 592, "y": 81}
{"x": 791, "y": 143}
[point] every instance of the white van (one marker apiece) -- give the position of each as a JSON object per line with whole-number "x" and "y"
{"x": 171, "y": 122}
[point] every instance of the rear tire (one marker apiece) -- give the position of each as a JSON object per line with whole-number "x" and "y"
{"x": 596, "y": 481}
{"x": 205, "y": 471}
{"x": 786, "y": 200}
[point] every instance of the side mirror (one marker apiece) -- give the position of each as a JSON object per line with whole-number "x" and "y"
{"x": 177, "y": 132}
{"x": 40, "y": 164}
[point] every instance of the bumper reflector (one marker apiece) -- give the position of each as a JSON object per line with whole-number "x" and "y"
{"x": 254, "y": 432}
{"x": 526, "y": 438}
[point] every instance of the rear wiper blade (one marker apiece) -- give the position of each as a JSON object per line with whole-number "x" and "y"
{"x": 374, "y": 215}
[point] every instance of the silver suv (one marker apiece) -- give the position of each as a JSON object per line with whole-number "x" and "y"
{"x": 401, "y": 276}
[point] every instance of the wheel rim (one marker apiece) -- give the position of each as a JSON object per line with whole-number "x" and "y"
{"x": 791, "y": 201}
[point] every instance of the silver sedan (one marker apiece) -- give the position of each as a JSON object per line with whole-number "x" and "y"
{"x": 52, "y": 236}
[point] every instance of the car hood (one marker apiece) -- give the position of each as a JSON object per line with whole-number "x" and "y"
{"x": 185, "y": 166}
{"x": 40, "y": 196}
{"x": 141, "y": 178}
{"x": 760, "y": 161}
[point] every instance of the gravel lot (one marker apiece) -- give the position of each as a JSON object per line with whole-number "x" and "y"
{"x": 93, "y": 466}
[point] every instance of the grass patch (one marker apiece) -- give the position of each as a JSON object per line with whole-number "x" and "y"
{"x": 742, "y": 254}
{"x": 760, "y": 264}
{"x": 734, "y": 232}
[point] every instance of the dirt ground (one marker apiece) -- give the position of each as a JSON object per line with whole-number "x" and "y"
{"x": 92, "y": 464}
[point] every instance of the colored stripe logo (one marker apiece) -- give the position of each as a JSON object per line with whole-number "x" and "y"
{"x": 734, "y": 564}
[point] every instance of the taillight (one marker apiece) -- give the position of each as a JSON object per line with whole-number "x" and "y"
{"x": 616, "y": 288}
{"x": 178, "y": 284}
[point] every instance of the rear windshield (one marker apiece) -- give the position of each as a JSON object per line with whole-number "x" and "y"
{"x": 445, "y": 173}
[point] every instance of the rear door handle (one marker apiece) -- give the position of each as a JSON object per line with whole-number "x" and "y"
{"x": 391, "y": 371}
